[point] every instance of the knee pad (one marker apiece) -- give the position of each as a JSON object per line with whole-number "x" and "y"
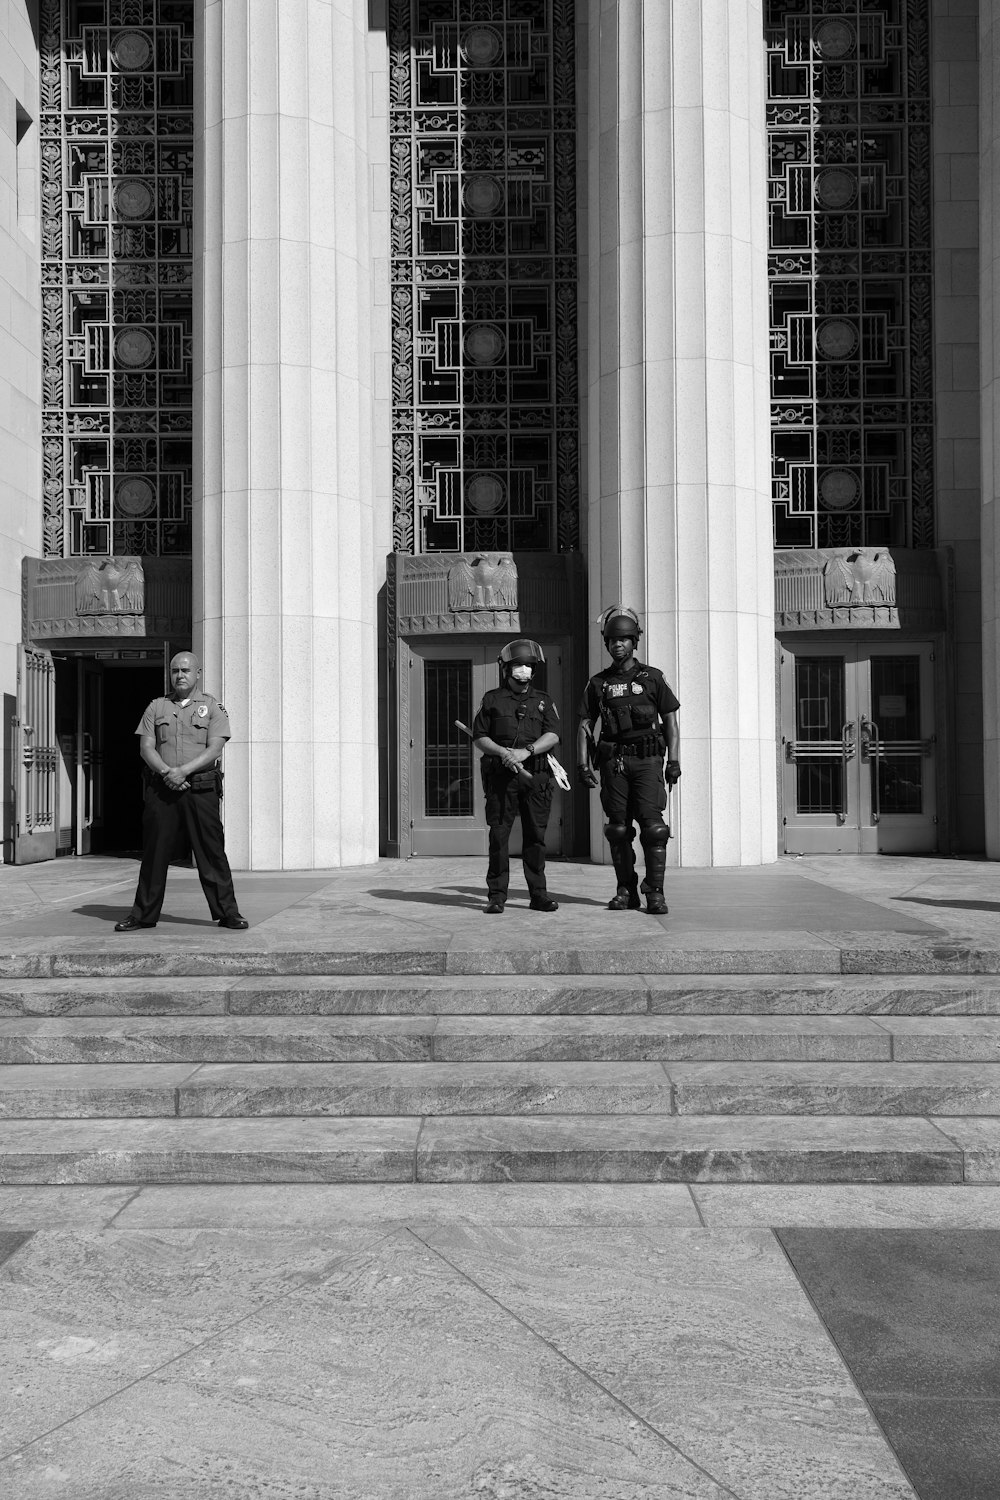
{"x": 651, "y": 834}
{"x": 619, "y": 833}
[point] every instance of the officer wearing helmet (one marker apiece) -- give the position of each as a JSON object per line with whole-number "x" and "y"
{"x": 637, "y": 714}
{"x": 515, "y": 728}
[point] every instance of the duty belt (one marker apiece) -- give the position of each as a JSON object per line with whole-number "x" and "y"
{"x": 643, "y": 747}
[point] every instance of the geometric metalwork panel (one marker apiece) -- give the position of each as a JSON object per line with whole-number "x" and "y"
{"x": 484, "y": 275}
{"x": 850, "y": 272}
{"x": 117, "y": 186}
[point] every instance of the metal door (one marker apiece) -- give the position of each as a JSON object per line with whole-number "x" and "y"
{"x": 447, "y": 806}
{"x": 37, "y": 756}
{"x": 858, "y": 748}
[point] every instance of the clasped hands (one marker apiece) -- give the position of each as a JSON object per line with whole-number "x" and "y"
{"x": 175, "y": 779}
{"x": 513, "y": 757}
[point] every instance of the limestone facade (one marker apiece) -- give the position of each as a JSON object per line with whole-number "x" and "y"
{"x": 293, "y": 505}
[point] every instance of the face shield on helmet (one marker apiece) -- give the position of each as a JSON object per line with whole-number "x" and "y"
{"x": 519, "y": 659}
{"x": 620, "y": 622}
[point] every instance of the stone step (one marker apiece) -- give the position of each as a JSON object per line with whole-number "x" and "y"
{"x": 641, "y": 951}
{"x": 100, "y": 1090}
{"x": 555, "y": 994}
{"x": 449, "y": 1038}
{"x": 648, "y": 1148}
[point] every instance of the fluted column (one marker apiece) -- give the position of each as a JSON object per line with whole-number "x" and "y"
{"x": 285, "y": 591}
{"x": 679, "y": 486}
{"x": 989, "y": 334}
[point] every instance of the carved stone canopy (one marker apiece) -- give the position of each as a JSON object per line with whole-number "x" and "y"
{"x": 71, "y": 599}
{"x": 838, "y": 588}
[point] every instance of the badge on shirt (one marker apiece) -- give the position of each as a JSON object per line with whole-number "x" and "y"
{"x": 201, "y": 712}
{"x": 638, "y": 689}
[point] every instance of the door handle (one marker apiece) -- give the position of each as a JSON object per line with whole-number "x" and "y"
{"x": 848, "y": 748}
{"x": 871, "y": 749}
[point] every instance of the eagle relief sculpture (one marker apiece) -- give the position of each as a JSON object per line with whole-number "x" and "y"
{"x": 116, "y": 587}
{"x": 865, "y": 575}
{"x": 488, "y": 581}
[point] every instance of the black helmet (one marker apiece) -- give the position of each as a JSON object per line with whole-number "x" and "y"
{"x": 521, "y": 653}
{"x": 620, "y": 621}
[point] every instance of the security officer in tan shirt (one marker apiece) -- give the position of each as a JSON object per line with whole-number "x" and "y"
{"x": 180, "y": 740}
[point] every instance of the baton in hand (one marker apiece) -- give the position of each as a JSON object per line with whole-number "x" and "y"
{"x": 520, "y": 769}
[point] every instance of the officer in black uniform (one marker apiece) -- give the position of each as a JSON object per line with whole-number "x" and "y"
{"x": 180, "y": 740}
{"x": 515, "y": 728}
{"x": 637, "y": 713}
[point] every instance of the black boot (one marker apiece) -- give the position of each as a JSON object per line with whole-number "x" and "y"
{"x": 619, "y": 837}
{"x": 654, "y": 846}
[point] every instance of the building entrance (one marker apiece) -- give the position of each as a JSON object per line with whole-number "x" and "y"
{"x": 858, "y": 748}
{"x": 99, "y": 791}
{"x": 79, "y": 786}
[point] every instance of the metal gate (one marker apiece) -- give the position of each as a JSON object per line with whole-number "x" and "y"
{"x": 37, "y": 757}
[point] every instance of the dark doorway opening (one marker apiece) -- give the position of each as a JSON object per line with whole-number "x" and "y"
{"x": 98, "y": 705}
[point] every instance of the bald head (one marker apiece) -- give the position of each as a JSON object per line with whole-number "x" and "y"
{"x": 185, "y": 671}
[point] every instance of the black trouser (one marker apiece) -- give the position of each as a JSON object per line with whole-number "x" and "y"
{"x": 507, "y": 795}
{"x": 164, "y": 814}
{"x": 635, "y": 791}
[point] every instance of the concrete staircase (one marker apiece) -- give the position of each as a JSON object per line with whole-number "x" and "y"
{"x": 139, "y": 1068}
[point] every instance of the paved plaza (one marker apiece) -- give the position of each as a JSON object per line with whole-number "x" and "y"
{"x": 505, "y": 1339}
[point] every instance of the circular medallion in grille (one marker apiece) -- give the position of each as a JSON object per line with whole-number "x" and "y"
{"x": 134, "y": 497}
{"x": 484, "y": 344}
{"x": 836, "y": 338}
{"x": 134, "y": 348}
{"x": 484, "y": 494}
{"x": 834, "y": 40}
{"x": 482, "y": 194}
{"x": 132, "y": 198}
{"x": 836, "y": 187}
{"x": 482, "y": 46}
{"x": 839, "y": 489}
{"x": 132, "y": 50}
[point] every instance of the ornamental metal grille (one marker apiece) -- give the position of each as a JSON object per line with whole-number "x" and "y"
{"x": 484, "y": 275}
{"x": 116, "y": 134}
{"x": 850, "y": 266}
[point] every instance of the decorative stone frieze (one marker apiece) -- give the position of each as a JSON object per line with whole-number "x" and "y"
{"x": 482, "y": 593}
{"x": 846, "y": 588}
{"x": 82, "y": 598}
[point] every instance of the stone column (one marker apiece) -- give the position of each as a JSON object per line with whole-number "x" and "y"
{"x": 989, "y": 334}
{"x": 679, "y": 521}
{"x": 285, "y": 588}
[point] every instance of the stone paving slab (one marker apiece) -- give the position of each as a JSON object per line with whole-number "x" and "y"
{"x": 351, "y": 1038}
{"x": 732, "y": 954}
{"x": 112, "y": 1152}
{"x": 595, "y": 1149}
{"x": 432, "y": 995}
{"x": 91, "y": 1089}
{"x": 836, "y": 1088}
{"x": 704, "y": 1149}
{"x": 423, "y": 1089}
{"x": 148, "y": 1039}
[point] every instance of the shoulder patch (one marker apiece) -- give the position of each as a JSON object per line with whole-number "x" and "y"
{"x": 221, "y": 707}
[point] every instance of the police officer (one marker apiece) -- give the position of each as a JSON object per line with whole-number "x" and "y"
{"x": 515, "y": 728}
{"x": 637, "y": 713}
{"x": 180, "y": 740}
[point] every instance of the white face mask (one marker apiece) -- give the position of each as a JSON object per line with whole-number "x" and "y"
{"x": 521, "y": 674}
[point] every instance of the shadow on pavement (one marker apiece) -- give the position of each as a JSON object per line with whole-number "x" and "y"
{"x": 956, "y": 905}
{"x": 116, "y": 913}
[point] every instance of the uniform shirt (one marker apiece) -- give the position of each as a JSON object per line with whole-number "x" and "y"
{"x": 182, "y": 733}
{"x": 642, "y": 691}
{"x": 510, "y": 718}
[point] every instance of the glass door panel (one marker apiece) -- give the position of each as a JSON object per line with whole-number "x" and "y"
{"x": 858, "y": 748}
